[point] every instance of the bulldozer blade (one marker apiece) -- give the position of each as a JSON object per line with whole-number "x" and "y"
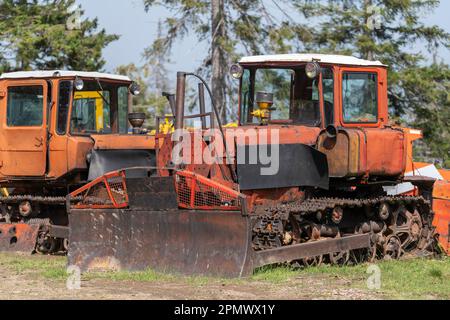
{"x": 18, "y": 237}
{"x": 175, "y": 241}
{"x": 181, "y": 242}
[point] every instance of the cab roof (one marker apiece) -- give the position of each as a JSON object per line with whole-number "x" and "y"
{"x": 309, "y": 57}
{"x": 59, "y": 73}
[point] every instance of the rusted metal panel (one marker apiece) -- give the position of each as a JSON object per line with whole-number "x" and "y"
{"x": 104, "y": 161}
{"x": 358, "y": 152}
{"x": 58, "y": 231}
{"x": 77, "y": 149}
{"x": 442, "y": 222}
{"x": 307, "y": 167}
{"x": 343, "y": 153}
{"x": 155, "y": 193}
{"x": 124, "y": 141}
{"x": 386, "y": 152}
{"x": 188, "y": 242}
{"x": 18, "y": 237}
{"x": 441, "y": 207}
{"x": 442, "y": 190}
{"x": 311, "y": 249}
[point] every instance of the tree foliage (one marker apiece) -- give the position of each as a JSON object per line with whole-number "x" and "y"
{"x": 38, "y": 35}
{"x": 231, "y": 28}
{"x": 390, "y": 31}
{"x": 150, "y": 101}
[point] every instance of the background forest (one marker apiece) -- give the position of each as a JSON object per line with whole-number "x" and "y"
{"x": 55, "y": 34}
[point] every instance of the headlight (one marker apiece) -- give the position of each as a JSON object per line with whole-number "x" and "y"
{"x": 236, "y": 71}
{"x": 312, "y": 70}
{"x": 135, "y": 89}
{"x": 78, "y": 84}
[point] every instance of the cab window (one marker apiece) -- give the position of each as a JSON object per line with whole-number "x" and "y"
{"x": 328, "y": 95}
{"x": 360, "y": 97}
{"x": 65, "y": 92}
{"x": 91, "y": 112}
{"x": 278, "y": 82}
{"x": 25, "y": 106}
{"x": 295, "y": 96}
{"x": 245, "y": 96}
{"x": 122, "y": 94}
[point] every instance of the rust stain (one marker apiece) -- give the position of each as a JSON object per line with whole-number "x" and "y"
{"x": 18, "y": 237}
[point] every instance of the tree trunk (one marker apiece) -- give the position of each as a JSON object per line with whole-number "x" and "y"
{"x": 218, "y": 61}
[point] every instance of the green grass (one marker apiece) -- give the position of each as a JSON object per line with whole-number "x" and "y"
{"x": 55, "y": 268}
{"x": 48, "y": 267}
{"x": 141, "y": 276}
{"x": 405, "y": 279}
{"x": 276, "y": 274}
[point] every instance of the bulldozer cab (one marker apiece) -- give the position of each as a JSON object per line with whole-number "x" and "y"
{"x": 50, "y": 121}
{"x": 313, "y": 91}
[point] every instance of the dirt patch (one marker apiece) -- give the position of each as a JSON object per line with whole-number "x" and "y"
{"x": 27, "y": 283}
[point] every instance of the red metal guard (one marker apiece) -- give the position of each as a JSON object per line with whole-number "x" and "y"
{"x": 198, "y": 192}
{"x": 106, "y": 192}
{"x": 193, "y": 192}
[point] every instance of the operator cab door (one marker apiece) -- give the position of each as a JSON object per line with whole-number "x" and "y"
{"x": 363, "y": 97}
{"x": 23, "y": 134}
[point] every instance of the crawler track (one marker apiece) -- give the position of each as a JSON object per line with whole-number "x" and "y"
{"x": 38, "y": 213}
{"x": 398, "y": 225}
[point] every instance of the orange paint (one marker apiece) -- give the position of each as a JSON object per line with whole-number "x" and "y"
{"x": 42, "y": 154}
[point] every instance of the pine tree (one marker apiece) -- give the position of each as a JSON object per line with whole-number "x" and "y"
{"x": 231, "y": 28}
{"x": 49, "y": 34}
{"x": 389, "y": 31}
{"x": 149, "y": 101}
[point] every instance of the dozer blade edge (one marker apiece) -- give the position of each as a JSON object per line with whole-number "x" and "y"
{"x": 181, "y": 242}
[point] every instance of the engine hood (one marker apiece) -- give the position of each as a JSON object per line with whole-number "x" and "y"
{"x": 124, "y": 142}
{"x": 115, "y": 152}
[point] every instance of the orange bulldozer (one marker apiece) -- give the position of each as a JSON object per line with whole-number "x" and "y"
{"x": 58, "y": 131}
{"x": 306, "y": 177}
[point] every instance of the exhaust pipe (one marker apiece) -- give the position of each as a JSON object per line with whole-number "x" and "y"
{"x": 171, "y": 98}
{"x": 201, "y": 98}
{"x": 179, "y": 108}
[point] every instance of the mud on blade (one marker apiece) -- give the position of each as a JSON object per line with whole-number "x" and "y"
{"x": 172, "y": 241}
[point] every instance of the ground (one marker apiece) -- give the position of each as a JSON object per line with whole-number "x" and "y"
{"x": 45, "y": 277}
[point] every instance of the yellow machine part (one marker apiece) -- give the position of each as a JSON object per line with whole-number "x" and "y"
{"x": 165, "y": 127}
{"x": 261, "y": 114}
{"x": 4, "y": 192}
{"x": 93, "y": 95}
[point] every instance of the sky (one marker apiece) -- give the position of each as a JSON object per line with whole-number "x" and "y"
{"x": 138, "y": 29}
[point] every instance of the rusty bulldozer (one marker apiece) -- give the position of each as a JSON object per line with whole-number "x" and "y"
{"x": 58, "y": 131}
{"x": 316, "y": 191}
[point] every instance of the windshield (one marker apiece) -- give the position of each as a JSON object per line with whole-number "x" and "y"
{"x": 94, "y": 108}
{"x": 295, "y": 96}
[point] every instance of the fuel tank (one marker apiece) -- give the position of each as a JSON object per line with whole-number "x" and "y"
{"x": 365, "y": 152}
